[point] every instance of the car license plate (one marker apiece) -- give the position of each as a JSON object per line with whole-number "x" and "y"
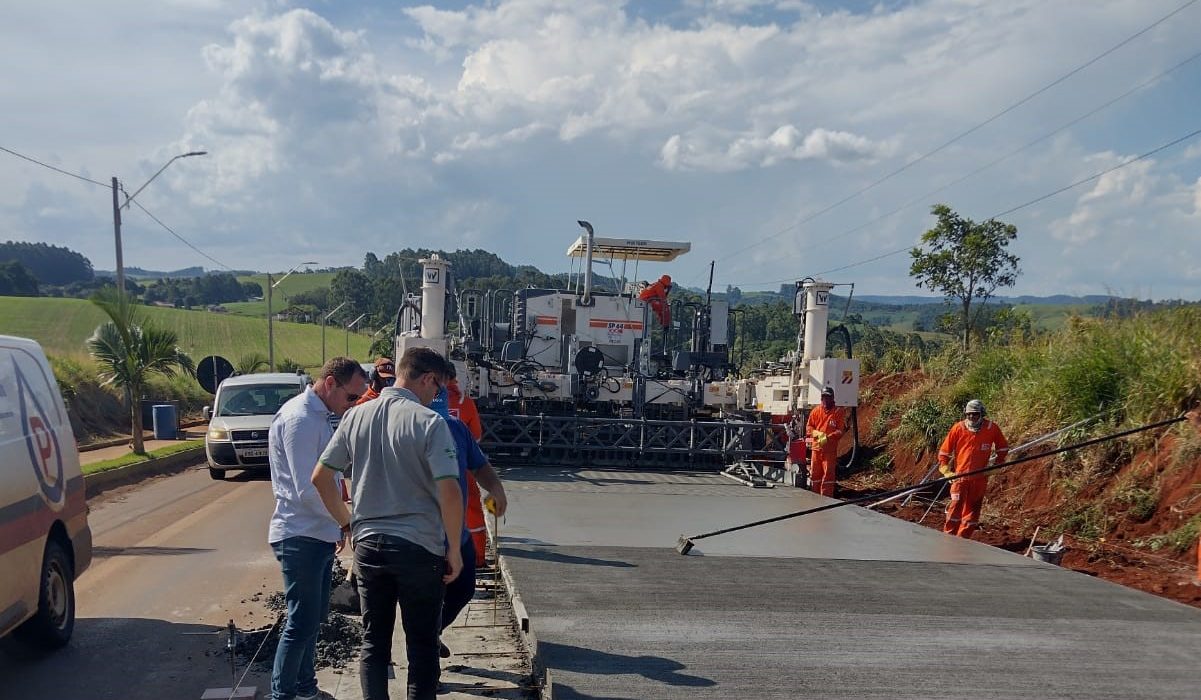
{"x": 257, "y": 452}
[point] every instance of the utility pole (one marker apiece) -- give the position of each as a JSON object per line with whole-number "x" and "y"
{"x": 129, "y": 200}
{"x": 117, "y": 238}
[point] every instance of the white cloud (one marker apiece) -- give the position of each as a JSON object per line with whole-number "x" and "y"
{"x": 339, "y": 129}
{"x": 700, "y": 152}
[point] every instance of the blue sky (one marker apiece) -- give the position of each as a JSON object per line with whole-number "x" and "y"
{"x": 340, "y": 128}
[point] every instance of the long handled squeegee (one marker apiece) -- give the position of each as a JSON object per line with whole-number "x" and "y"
{"x": 686, "y": 544}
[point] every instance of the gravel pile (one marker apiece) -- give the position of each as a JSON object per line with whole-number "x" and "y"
{"x": 337, "y": 644}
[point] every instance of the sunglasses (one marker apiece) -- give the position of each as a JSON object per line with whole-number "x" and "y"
{"x": 349, "y": 396}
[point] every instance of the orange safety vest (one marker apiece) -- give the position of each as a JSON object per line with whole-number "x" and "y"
{"x": 833, "y": 423}
{"x": 972, "y": 450}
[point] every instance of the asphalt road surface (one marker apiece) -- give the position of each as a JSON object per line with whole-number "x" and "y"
{"x": 176, "y": 558}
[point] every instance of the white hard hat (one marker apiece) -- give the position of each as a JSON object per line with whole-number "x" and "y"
{"x": 974, "y": 406}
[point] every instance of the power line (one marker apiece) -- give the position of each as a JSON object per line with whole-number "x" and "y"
{"x": 57, "y": 170}
{"x": 1019, "y": 207}
{"x": 925, "y": 197}
{"x": 156, "y": 220}
{"x": 181, "y": 238}
{"x": 966, "y": 133}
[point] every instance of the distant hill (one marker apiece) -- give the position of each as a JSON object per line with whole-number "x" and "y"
{"x": 137, "y": 273}
{"x": 62, "y": 326}
{"x": 1058, "y": 299}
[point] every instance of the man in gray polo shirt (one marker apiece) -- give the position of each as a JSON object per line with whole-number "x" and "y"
{"x": 400, "y": 458}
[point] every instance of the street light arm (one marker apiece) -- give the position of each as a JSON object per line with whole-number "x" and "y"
{"x": 336, "y": 309}
{"x": 289, "y": 272}
{"x": 130, "y": 197}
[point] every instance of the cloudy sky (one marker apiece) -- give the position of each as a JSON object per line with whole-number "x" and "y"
{"x": 335, "y": 128}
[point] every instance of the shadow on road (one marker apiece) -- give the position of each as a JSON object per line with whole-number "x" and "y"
{"x": 573, "y": 659}
{"x": 120, "y": 658}
{"x": 102, "y": 552}
{"x": 557, "y": 558}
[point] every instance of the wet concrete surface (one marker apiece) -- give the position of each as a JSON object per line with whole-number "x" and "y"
{"x": 858, "y": 606}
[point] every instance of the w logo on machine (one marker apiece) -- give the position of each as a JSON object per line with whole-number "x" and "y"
{"x": 431, "y": 275}
{"x": 45, "y": 454}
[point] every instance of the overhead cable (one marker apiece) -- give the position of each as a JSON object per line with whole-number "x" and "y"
{"x": 57, "y": 170}
{"x": 965, "y": 133}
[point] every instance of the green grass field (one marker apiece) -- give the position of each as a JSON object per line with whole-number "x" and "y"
{"x": 295, "y": 283}
{"x": 62, "y": 326}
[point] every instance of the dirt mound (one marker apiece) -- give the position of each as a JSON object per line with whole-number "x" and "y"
{"x": 1129, "y": 514}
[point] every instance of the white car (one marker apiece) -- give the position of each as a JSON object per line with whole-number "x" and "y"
{"x": 241, "y": 417}
{"x": 45, "y": 541}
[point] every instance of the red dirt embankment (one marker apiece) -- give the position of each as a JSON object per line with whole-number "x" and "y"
{"x": 1109, "y": 502}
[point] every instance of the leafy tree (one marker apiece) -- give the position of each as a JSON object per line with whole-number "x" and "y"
{"x": 382, "y": 346}
{"x": 352, "y": 286}
{"x": 317, "y": 298}
{"x": 129, "y": 349}
{"x": 16, "y": 280}
{"x": 50, "y": 264}
{"x": 965, "y": 260}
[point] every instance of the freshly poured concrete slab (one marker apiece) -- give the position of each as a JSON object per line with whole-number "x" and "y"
{"x": 625, "y": 622}
{"x": 861, "y": 606}
{"x": 636, "y": 509}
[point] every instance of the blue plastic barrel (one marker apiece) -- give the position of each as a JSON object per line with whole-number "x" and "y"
{"x": 166, "y": 427}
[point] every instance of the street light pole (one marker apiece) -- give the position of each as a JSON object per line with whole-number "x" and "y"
{"x": 117, "y": 206}
{"x": 324, "y": 319}
{"x": 270, "y": 316}
{"x": 350, "y": 325}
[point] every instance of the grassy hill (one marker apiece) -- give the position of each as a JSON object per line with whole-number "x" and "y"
{"x": 295, "y": 283}
{"x": 62, "y": 326}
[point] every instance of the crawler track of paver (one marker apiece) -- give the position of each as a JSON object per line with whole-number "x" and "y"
{"x": 844, "y": 604}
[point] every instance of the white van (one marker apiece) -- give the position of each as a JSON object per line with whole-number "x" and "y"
{"x": 241, "y": 418}
{"x": 45, "y": 541}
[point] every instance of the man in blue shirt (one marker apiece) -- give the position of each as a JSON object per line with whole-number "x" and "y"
{"x": 471, "y": 458}
{"x": 302, "y": 533}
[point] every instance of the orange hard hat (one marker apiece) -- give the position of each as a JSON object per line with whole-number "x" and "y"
{"x": 665, "y": 279}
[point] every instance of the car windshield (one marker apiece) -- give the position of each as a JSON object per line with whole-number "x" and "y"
{"x": 254, "y": 400}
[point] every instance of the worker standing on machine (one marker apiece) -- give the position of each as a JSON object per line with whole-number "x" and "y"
{"x": 972, "y": 442}
{"x": 825, "y": 426}
{"x": 656, "y": 296}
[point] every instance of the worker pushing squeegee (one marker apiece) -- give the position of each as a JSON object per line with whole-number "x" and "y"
{"x": 686, "y": 543}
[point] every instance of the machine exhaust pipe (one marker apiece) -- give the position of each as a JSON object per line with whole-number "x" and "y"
{"x": 587, "y": 298}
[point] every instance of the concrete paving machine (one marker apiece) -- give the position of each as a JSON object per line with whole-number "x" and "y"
{"x": 587, "y": 375}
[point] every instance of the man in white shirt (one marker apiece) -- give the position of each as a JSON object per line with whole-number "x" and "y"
{"x": 302, "y": 533}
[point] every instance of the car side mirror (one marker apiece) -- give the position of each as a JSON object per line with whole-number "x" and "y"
{"x": 208, "y": 412}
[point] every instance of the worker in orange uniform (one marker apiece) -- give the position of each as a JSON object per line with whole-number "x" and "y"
{"x": 383, "y": 375}
{"x": 972, "y": 443}
{"x": 463, "y": 407}
{"x": 825, "y": 426}
{"x": 656, "y": 296}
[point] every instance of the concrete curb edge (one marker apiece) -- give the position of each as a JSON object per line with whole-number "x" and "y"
{"x": 525, "y": 627}
{"x": 95, "y": 484}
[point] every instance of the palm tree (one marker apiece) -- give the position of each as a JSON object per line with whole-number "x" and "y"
{"x": 250, "y": 363}
{"x": 130, "y": 349}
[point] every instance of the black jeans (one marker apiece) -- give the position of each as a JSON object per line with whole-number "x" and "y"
{"x": 393, "y": 570}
